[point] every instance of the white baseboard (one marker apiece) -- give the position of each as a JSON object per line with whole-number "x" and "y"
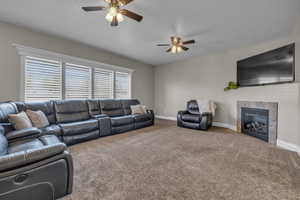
{"x": 288, "y": 146}
{"x": 217, "y": 124}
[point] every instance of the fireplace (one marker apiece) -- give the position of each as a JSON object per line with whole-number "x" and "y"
{"x": 255, "y": 122}
{"x": 258, "y": 119}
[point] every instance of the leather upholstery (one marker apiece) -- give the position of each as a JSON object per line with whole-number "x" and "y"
{"x": 52, "y": 130}
{"x": 5, "y": 110}
{"x": 126, "y": 103}
{"x": 3, "y": 142}
{"x": 71, "y": 111}
{"x": 112, "y": 108}
{"x": 46, "y": 107}
{"x": 22, "y": 153}
{"x": 122, "y": 129}
{"x": 191, "y": 118}
{"x": 75, "y": 139}
{"x": 142, "y": 117}
{"x": 123, "y": 120}
{"x": 76, "y": 128}
{"x": 105, "y": 126}
{"x": 24, "y": 133}
{"x": 94, "y": 107}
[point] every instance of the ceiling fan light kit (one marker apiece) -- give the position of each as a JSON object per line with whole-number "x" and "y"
{"x": 176, "y": 45}
{"x": 115, "y": 14}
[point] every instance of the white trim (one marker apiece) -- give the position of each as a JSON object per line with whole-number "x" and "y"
{"x": 288, "y": 146}
{"x": 217, "y": 124}
{"x": 167, "y": 118}
{"x": 224, "y": 125}
{"x": 41, "y": 53}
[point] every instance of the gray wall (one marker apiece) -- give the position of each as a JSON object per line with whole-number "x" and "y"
{"x": 143, "y": 85}
{"x": 205, "y": 78}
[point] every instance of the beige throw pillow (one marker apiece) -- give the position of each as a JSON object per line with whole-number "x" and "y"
{"x": 38, "y": 118}
{"x": 138, "y": 109}
{"x": 20, "y": 121}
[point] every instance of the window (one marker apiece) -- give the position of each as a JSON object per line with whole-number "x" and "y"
{"x": 77, "y": 82}
{"x": 42, "y": 79}
{"x": 122, "y": 84}
{"x": 103, "y": 84}
{"x": 52, "y": 76}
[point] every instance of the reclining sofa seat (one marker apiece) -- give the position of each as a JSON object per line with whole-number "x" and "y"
{"x": 28, "y": 161}
{"x": 192, "y": 118}
{"x": 76, "y": 124}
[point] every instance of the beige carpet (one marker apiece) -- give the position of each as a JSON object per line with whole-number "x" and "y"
{"x": 165, "y": 162}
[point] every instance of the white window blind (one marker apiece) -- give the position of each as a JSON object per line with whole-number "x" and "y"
{"x": 122, "y": 84}
{"x": 42, "y": 79}
{"x": 103, "y": 84}
{"x": 77, "y": 82}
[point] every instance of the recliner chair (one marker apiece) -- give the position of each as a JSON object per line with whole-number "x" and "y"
{"x": 192, "y": 118}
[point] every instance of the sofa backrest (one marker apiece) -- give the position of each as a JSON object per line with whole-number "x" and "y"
{"x": 126, "y": 103}
{"x": 5, "y": 110}
{"x": 111, "y": 107}
{"x": 94, "y": 107}
{"x": 46, "y": 107}
{"x": 71, "y": 111}
{"x": 192, "y": 107}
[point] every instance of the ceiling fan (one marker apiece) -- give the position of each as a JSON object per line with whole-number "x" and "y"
{"x": 177, "y": 45}
{"x": 115, "y": 13}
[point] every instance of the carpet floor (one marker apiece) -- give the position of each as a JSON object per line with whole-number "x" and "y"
{"x": 165, "y": 162}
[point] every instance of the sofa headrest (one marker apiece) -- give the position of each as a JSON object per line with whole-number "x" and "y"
{"x": 127, "y": 103}
{"x": 192, "y": 107}
{"x": 71, "y": 111}
{"x": 111, "y": 107}
{"x": 94, "y": 107}
{"x": 5, "y": 110}
{"x": 46, "y": 107}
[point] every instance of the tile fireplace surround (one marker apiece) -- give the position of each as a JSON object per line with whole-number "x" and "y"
{"x": 273, "y": 116}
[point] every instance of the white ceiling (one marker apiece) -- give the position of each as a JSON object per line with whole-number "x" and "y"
{"x": 216, "y": 25}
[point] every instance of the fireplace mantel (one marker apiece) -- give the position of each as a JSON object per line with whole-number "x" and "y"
{"x": 272, "y": 107}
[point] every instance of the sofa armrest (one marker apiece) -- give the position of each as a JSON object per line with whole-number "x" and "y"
{"x": 24, "y": 133}
{"x": 22, "y": 158}
{"x": 2, "y": 131}
{"x": 179, "y": 117}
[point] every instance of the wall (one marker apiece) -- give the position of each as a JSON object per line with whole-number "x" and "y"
{"x": 143, "y": 85}
{"x": 205, "y": 78}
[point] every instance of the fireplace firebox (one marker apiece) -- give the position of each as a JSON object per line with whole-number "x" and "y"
{"x": 255, "y": 122}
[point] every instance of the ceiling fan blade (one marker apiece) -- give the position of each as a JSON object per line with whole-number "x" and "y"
{"x": 93, "y": 8}
{"x": 184, "y": 48}
{"x": 163, "y": 45}
{"x": 114, "y": 22}
{"x": 169, "y": 50}
{"x": 125, "y": 2}
{"x": 189, "y": 42}
{"x": 131, "y": 15}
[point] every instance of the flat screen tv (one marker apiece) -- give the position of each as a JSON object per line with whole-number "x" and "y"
{"x": 273, "y": 67}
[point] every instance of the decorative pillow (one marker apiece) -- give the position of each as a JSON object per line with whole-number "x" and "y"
{"x": 38, "y": 118}
{"x": 20, "y": 121}
{"x": 138, "y": 109}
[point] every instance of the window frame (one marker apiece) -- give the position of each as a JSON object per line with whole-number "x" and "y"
{"x": 25, "y": 51}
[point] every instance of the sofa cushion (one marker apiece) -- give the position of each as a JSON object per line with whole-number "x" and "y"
{"x": 122, "y": 120}
{"x": 37, "y": 118}
{"x": 112, "y": 108}
{"x": 24, "y": 145}
{"x": 94, "y": 107}
{"x": 127, "y": 103}
{"x": 46, "y": 107}
{"x": 20, "y": 121}
{"x": 71, "y": 111}
{"x": 81, "y": 127}
{"x": 191, "y": 118}
{"x": 52, "y": 130}
{"x": 142, "y": 117}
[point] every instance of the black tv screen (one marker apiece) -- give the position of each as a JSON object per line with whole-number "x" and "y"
{"x": 273, "y": 67}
